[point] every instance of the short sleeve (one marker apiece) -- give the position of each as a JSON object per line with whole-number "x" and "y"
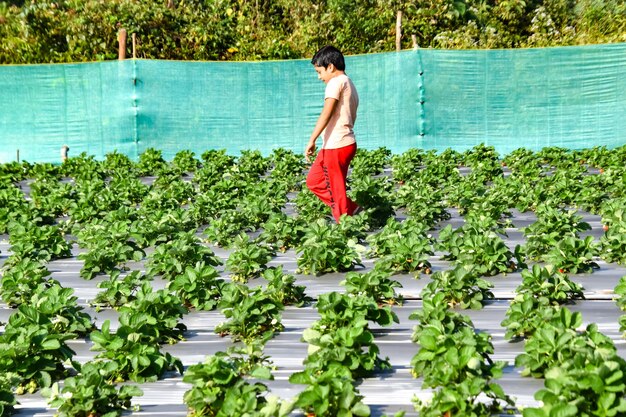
{"x": 333, "y": 88}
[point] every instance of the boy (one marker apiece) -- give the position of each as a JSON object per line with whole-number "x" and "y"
{"x": 327, "y": 176}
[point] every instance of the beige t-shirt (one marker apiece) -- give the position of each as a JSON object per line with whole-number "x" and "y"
{"x": 338, "y": 132}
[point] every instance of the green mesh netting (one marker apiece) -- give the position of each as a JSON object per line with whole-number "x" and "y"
{"x": 572, "y": 97}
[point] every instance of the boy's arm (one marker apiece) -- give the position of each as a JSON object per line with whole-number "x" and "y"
{"x": 322, "y": 121}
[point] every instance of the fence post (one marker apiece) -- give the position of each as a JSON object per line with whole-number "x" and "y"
{"x": 134, "y": 38}
{"x": 414, "y": 40}
{"x": 121, "y": 39}
{"x": 399, "y": 30}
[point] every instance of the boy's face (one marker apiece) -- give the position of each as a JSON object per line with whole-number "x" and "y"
{"x": 325, "y": 74}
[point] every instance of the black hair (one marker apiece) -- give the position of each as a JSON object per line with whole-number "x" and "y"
{"x": 329, "y": 55}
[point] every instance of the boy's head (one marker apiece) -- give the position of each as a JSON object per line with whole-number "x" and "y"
{"x": 329, "y": 55}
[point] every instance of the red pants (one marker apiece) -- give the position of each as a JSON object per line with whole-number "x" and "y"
{"x": 327, "y": 179}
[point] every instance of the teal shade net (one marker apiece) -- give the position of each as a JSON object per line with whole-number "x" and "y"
{"x": 572, "y": 97}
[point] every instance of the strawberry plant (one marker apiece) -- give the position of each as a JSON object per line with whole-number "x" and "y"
{"x": 552, "y": 225}
{"x": 422, "y": 201}
{"x": 198, "y": 286}
{"x": 282, "y": 232}
{"x": 59, "y": 304}
{"x": 115, "y": 162}
{"x": 118, "y": 291}
{"x": 134, "y": 350}
{"x": 41, "y": 242}
{"x": 385, "y": 241}
{"x": 248, "y": 260}
{"x": 375, "y": 196}
{"x": 309, "y": 207}
{"x": 283, "y": 289}
{"x": 251, "y": 313}
{"x": 351, "y": 347}
{"x": 223, "y": 230}
{"x": 107, "y": 256}
{"x": 374, "y": 284}
{"x": 408, "y": 254}
{"x": 573, "y": 255}
{"x": 8, "y": 382}
{"x": 407, "y": 164}
{"x": 368, "y": 163}
{"x": 220, "y": 389}
{"x": 620, "y": 292}
{"x": 465, "y": 399}
{"x": 486, "y": 251}
{"x": 527, "y": 313}
{"x": 33, "y": 350}
{"x": 546, "y": 282}
{"x": 150, "y": 162}
{"x": 461, "y": 287}
{"x": 558, "y": 342}
{"x": 22, "y": 280}
{"x": 184, "y": 162}
{"x": 595, "y": 389}
{"x": 89, "y": 393}
{"x": 159, "y": 310}
{"x": 447, "y": 358}
{"x": 340, "y": 310}
{"x": 329, "y": 393}
{"x": 613, "y": 243}
{"x": 170, "y": 259}
{"x": 324, "y": 249}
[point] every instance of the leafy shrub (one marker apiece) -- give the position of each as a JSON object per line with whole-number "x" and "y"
{"x": 282, "y": 232}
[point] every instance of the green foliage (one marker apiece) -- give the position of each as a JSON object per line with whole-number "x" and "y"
{"x": 573, "y": 255}
{"x": 219, "y": 388}
{"x": 526, "y": 314}
{"x": 198, "y": 286}
{"x": 118, "y": 290}
{"x": 374, "y": 284}
{"x": 283, "y": 289}
{"x": 546, "y": 282}
{"x": 462, "y": 287}
{"x": 170, "y": 259}
{"x": 89, "y": 393}
{"x": 41, "y": 242}
{"x": 282, "y": 232}
{"x": 8, "y": 382}
{"x": 134, "y": 350}
{"x": 251, "y": 313}
{"x": 33, "y": 349}
{"x": 324, "y": 249}
{"x": 248, "y": 260}
{"x": 329, "y": 393}
{"x": 22, "y": 280}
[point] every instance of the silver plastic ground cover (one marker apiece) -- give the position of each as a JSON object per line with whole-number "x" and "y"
{"x": 385, "y": 393}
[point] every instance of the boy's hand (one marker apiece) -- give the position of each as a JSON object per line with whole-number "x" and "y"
{"x": 309, "y": 151}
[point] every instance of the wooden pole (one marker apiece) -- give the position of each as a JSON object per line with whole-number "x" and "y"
{"x": 414, "y": 40}
{"x": 121, "y": 39}
{"x": 134, "y": 37}
{"x": 399, "y": 31}
{"x": 18, "y": 155}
